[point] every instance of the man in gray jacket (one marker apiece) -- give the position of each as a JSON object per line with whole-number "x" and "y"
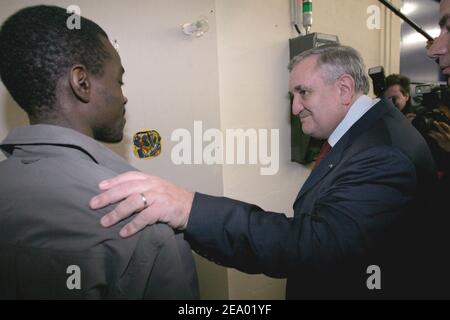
{"x": 51, "y": 244}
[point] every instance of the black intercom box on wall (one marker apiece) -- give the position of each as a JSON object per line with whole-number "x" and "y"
{"x": 304, "y": 148}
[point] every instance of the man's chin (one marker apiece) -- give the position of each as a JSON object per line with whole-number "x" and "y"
{"x": 314, "y": 135}
{"x": 116, "y": 139}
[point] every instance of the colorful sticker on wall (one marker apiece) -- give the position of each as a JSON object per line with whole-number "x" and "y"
{"x": 147, "y": 144}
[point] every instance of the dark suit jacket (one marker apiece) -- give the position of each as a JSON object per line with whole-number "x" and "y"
{"x": 365, "y": 204}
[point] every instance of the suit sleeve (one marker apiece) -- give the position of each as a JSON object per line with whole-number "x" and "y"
{"x": 365, "y": 199}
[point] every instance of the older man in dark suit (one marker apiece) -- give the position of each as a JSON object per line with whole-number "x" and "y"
{"x": 361, "y": 213}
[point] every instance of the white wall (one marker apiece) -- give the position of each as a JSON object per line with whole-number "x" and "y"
{"x": 348, "y": 20}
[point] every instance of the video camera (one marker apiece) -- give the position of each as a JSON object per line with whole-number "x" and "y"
{"x": 428, "y": 96}
{"x": 431, "y": 97}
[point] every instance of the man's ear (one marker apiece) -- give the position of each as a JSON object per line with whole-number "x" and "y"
{"x": 80, "y": 83}
{"x": 346, "y": 84}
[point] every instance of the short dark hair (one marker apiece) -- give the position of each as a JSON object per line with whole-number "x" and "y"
{"x": 402, "y": 81}
{"x": 37, "y": 49}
